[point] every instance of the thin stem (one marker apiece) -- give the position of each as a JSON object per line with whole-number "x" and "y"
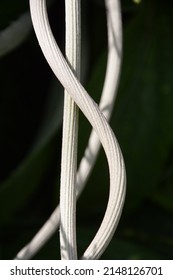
{"x": 16, "y": 33}
{"x": 12, "y": 36}
{"x": 90, "y": 109}
{"x": 109, "y": 93}
{"x": 106, "y": 104}
{"x": 70, "y": 135}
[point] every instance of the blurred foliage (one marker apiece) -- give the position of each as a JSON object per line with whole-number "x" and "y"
{"x": 30, "y": 123}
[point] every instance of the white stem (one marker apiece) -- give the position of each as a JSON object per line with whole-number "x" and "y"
{"x": 70, "y": 135}
{"x": 109, "y": 92}
{"x": 16, "y": 33}
{"x": 12, "y": 36}
{"x": 106, "y": 104}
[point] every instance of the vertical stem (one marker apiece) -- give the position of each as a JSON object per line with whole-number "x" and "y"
{"x": 70, "y": 136}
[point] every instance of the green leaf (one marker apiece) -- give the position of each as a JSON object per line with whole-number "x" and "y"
{"x": 164, "y": 194}
{"x": 143, "y": 118}
{"x": 17, "y": 189}
{"x": 151, "y": 227}
{"x": 10, "y": 11}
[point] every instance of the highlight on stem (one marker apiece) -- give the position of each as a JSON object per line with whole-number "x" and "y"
{"x": 67, "y": 71}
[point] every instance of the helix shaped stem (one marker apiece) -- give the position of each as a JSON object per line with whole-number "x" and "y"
{"x": 102, "y": 131}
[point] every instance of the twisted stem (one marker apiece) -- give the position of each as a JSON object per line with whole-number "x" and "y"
{"x": 90, "y": 109}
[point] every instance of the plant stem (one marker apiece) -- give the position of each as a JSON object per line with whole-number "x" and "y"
{"x": 106, "y": 104}
{"x": 15, "y": 34}
{"x": 70, "y": 137}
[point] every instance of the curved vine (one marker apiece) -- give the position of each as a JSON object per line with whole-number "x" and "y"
{"x": 97, "y": 119}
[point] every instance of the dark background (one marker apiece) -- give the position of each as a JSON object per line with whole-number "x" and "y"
{"x": 31, "y": 102}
